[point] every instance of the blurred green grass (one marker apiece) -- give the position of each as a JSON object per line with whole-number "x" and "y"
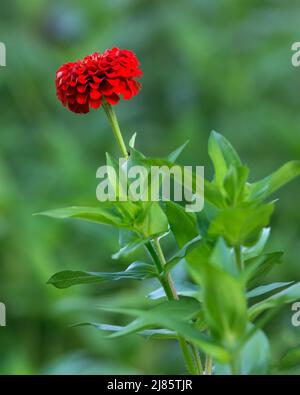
{"x": 207, "y": 65}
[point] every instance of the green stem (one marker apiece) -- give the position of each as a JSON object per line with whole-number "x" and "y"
{"x": 168, "y": 275}
{"x": 186, "y": 355}
{"x": 239, "y": 258}
{"x": 197, "y": 359}
{"x": 154, "y": 256}
{"x": 111, "y": 115}
{"x": 208, "y": 365}
{"x": 160, "y": 270}
{"x": 168, "y": 286}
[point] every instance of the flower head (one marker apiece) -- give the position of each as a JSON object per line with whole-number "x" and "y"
{"x": 86, "y": 83}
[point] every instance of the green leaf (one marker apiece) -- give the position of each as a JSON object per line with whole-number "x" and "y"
{"x": 182, "y": 253}
{"x": 265, "y": 187}
{"x": 121, "y": 190}
{"x": 158, "y": 334}
{"x": 183, "y": 224}
{"x": 291, "y": 359}
{"x": 224, "y": 305}
{"x": 173, "y": 315}
{"x": 259, "y": 266}
{"x": 239, "y": 225}
{"x": 147, "y": 333}
{"x": 257, "y": 248}
{"x": 197, "y": 259}
{"x": 222, "y": 256}
{"x": 229, "y": 153}
{"x": 263, "y": 289}
{"x": 288, "y": 295}
{"x": 135, "y": 155}
{"x": 173, "y": 156}
{"x": 152, "y": 221}
{"x": 223, "y": 155}
{"x": 68, "y": 278}
{"x": 184, "y": 308}
{"x": 217, "y": 157}
{"x": 129, "y": 241}
{"x": 127, "y": 207}
{"x": 104, "y": 214}
{"x": 235, "y": 182}
{"x": 204, "y": 218}
{"x": 132, "y": 141}
{"x": 252, "y": 358}
{"x": 183, "y": 288}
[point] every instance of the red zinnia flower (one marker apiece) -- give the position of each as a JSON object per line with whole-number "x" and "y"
{"x": 84, "y": 84}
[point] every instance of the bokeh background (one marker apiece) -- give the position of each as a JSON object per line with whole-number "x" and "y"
{"x": 223, "y": 65}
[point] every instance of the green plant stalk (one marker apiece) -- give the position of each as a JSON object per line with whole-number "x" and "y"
{"x": 197, "y": 359}
{"x": 168, "y": 285}
{"x": 168, "y": 290}
{"x": 239, "y": 258}
{"x": 186, "y": 355}
{"x": 112, "y": 118}
{"x": 169, "y": 281}
{"x": 208, "y": 365}
{"x": 158, "y": 258}
{"x": 167, "y": 276}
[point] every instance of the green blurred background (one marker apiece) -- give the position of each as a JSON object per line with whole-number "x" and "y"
{"x": 223, "y": 65}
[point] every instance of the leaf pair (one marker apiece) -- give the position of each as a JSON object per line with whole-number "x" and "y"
{"x": 172, "y": 315}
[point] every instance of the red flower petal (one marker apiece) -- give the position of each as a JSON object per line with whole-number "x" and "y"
{"x": 81, "y": 88}
{"x": 95, "y": 95}
{"x": 106, "y": 88}
{"x": 94, "y": 85}
{"x": 82, "y": 79}
{"x": 112, "y": 99}
{"x": 97, "y": 79}
{"x": 81, "y": 99}
{"x": 95, "y": 103}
